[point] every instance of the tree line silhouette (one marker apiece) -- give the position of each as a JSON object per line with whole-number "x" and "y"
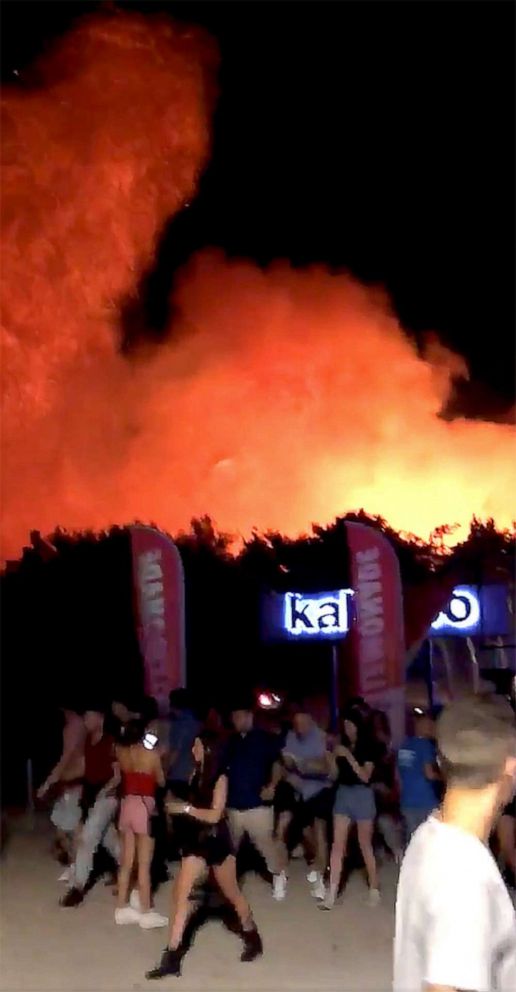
{"x": 68, "y": 628}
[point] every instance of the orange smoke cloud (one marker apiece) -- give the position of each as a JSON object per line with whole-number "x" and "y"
{"x": 283, "y": 397}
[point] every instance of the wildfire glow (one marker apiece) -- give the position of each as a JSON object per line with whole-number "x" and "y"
{"x": 281, "y": 397}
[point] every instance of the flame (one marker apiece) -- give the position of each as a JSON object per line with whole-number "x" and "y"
{"x": 281, "y": 398}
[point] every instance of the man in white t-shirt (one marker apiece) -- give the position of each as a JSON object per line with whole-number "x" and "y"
{"x": 455, "y": 922}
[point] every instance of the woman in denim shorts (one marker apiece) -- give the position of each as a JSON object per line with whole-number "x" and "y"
{"x": 354, "y": 803}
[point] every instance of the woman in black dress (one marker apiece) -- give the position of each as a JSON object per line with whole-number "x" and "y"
{"x": 205, "y": 842}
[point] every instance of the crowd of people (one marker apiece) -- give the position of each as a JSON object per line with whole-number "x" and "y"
{"x": 149, "y": 790}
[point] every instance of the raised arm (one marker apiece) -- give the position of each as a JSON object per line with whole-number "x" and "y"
{"x": 363, "y": 772}
{"x": 71, "y": 740}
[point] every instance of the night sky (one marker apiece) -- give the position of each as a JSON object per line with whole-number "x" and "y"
{"x": 376, "y": 137}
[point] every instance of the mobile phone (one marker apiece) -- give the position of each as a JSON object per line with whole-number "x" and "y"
{"x": 150, "y": 741}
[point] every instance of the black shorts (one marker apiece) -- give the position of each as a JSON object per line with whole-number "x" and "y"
{"x": 211, "y": 843}
{"x": 318, "y": 807}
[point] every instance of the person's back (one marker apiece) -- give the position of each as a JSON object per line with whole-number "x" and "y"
{"x": 455, "y": 923}
{"x": 141, "y": 773}
{"x": 184, "y": 729}
{"x": 140, "y": 770}
{"x": 74, "y": 739}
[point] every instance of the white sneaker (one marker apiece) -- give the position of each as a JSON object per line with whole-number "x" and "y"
{"x": 374, "y": 897}
{"x": 328, "y": 902}
{"x": 126, "y": 915}
{"x": 152, "y": 920}
{"x": 65, "y": 875}
{"x": 279, "y": 886}
{"x": 312, "y": 877}
{"x": 318, "y": 890}
{"x": 134, "y": 901}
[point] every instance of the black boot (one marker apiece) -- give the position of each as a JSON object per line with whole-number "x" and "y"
{"x": 170, "y": 964}
{"x": 253, "y": 946}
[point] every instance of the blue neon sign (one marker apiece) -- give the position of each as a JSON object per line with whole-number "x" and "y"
{"x": 462, "y": 615}
{"x": 301, "y": 616}
{"x": 298, "y": 616}
{"x": 474, "y": 611}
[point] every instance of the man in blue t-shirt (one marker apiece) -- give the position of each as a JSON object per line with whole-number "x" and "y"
{"x": 417, "y": 769}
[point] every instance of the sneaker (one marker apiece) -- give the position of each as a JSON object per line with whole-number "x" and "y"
{"x": 152, "y": 920}
{"x": 328, "y": 902}
{"x": 73, "y": 897}
{"x": 126, "y": 915}
{"x": 134, "y": 901}
{"x": 374, "y": 897}
{"x": 312, "y": 877}
{"x": 318, "y": 890}
{"x": 65, "y": 875}
{"x": 279, "y": 886}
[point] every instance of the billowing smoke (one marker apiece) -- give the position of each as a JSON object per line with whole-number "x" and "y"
{"x": 281, "y": 398}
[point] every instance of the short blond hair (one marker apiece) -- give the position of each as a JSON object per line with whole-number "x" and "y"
{"x": 475, "y": 737}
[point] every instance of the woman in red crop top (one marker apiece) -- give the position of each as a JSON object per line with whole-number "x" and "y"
{"x": 141, "y": 772}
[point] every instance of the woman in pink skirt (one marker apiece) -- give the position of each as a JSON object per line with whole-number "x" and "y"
{"x": 141, "y": 773}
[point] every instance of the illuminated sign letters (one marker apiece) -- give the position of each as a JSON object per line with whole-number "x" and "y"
{"x": 317, "y": 615}
{"x": 462, "y": 614}
{"x": 327, "y": 616}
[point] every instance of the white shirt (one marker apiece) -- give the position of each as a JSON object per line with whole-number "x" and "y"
{"x": 455, "y": 922}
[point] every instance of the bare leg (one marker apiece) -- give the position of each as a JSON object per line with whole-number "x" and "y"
{"x": 62, "y": 847}
{"x": 321, "y": 846}
{"x": 284, "y": 822}
{"x": 189, "y": 872}
{"x": 309, "y": 844}
{"x": 341, "y": 825}
{"x": 365, "y": 839}
{"x": 145, "y": 847}
{"x": 126, "y": 867}
{"x": 225, "y": 875}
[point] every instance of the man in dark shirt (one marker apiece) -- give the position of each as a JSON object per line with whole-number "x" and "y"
{"x": 99, "y": 804}
{"x": 250, "y": 761}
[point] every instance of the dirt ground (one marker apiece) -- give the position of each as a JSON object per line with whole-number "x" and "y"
{"x": 48, "y": 949}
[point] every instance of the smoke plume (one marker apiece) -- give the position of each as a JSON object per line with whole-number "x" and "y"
{"x": 282, "y": 397}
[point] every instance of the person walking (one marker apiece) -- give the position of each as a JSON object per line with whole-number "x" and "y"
{"x": 354, "y": 803}
{"x": 99, "y": 803}
{"x": 385, "y": 785}
{"x": 205, "y": 844}
{"x": 184, "y": 728}
{"x": 67, "y": 778}
{"x": 305, "y": 798}
{"x": 157, "y": 731}
{"x": 250, "y": 763}
{"x": 418, "y": 773}
{"x": 455, "y": 922}
{"x": 141, "y": 774}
